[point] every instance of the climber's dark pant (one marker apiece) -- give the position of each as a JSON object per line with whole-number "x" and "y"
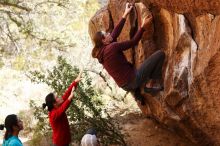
{"x": 150, "y": 69}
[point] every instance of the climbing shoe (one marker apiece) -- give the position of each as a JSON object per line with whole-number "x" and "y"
{"x": 139, "y": 97}
{"x": 153, "y": 90}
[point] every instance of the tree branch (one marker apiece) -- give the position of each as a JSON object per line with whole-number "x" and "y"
{"x": 9, "y": 34}
{"x": 12, "y": 16}
{"x": 53, "y": 40}
{"x": 125, "y": 95}
{"x": 13, "y": 19}
{"x": 105, "y": 80}
{"x": 102, "y": 76}
{"x": 4, "y": 3}
{"x": 52, "y": 2}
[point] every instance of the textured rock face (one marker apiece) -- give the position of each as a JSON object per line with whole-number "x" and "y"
{"x": 190, "y": 103}
{"x": 189, "y": 6}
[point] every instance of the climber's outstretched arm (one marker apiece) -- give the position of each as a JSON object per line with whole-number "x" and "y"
{"x": 134, "y": 41}
{"x": 131, "y": 43}
{"x": 117, "y": 30}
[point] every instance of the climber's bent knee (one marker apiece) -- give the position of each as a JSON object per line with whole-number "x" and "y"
{"x": 160, "y": 54}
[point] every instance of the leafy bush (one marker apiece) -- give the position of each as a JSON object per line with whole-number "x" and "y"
{"x": 86, "y": 109}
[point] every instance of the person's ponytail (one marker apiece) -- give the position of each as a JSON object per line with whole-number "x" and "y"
{"x": 44, "y": 105}
{"x": 97, "y": 40}
{"x": 49, "y": 101}
{"x": 2, "y": 127}
{"x": 95, "y": 52}
{"x": 6, "y": 135}
{"x": 10, "y": 121}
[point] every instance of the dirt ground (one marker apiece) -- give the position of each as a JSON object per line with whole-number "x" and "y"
{"x": 145, "y": 132}
{"x": 141, "y": 131}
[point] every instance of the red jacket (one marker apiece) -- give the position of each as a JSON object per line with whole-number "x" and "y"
{"x": 59, "y": 121}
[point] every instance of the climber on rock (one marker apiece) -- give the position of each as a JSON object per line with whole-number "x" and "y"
{"x": 109, "y": 53}
{"x": 57, "y": 116}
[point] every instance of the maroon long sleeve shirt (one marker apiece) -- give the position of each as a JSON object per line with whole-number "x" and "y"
{"x": 113, "y": 60}
{"x": 59, "y": 122}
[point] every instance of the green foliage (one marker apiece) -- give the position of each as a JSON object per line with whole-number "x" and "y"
{"x": 1, "y": 63}
{"x": 27, "y": 28}
{"x": 11, "y": 1}
{"x": 42, "y": 130}
{"x": 31, "y": 39}
{"x": 19, "y": 63}
{"x": 90, "y": 7}
{"x": 86, "y": 109}
{"x": 27, "y": 121}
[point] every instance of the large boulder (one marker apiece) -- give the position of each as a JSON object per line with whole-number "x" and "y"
{"x": 189, "y": 33}
{"x": 196, "y": 7}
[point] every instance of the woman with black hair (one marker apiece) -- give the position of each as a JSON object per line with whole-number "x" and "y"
{"x": 13, "y": 126}
{"x": 57, "y": 116}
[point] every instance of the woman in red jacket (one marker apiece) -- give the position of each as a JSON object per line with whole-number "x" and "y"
{"x": 57, "y": 116}
{"x": 109, "y": 53}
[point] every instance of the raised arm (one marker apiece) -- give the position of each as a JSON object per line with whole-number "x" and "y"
{"x": 117, "y": 30}
{"x": 59, "y": 111}
{"x": 134, "y": 41}
{"x": 68, "y": 91}
{"x": 130, "y": 43}
{"x": 73, "y": 85}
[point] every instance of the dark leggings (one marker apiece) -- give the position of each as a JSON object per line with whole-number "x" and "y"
{"x": 150, "y": 69}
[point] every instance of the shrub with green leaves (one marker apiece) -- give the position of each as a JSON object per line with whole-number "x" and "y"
{"x": 86, "y": 109}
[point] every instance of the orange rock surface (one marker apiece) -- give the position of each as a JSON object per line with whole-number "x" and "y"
{"x": 189, "y": 33}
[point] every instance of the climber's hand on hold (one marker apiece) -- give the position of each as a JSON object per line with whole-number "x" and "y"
{"x": 128, "y": 9}
{"x": 146, "y": 22}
